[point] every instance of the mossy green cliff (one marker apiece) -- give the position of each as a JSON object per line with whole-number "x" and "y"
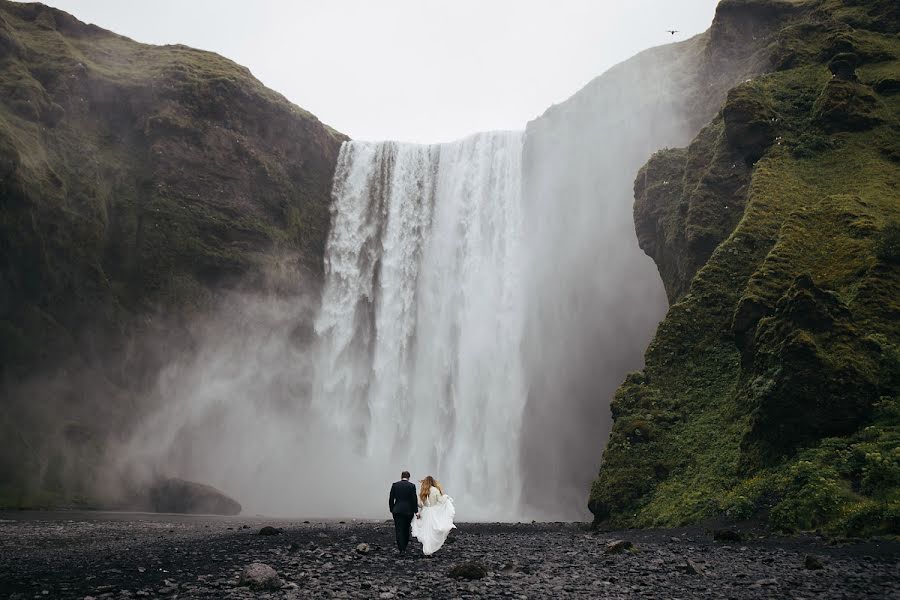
{"x": 772, "y": 387}
{"x": 136, "y": 182}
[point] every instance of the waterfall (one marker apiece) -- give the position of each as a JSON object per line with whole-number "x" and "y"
{"x": 419, "y": 360}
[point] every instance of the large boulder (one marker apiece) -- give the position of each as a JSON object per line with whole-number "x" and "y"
{"x": 260, "y": 577}
{"x": 173, "y": 495}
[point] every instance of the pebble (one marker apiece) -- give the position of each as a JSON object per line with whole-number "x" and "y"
{"x": 618, "y": 546}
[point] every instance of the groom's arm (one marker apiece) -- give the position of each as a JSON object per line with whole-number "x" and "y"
{"x": 392, "y": 500}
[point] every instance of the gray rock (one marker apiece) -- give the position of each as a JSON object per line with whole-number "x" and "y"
{"x": 812, "y": 563}
{"x": 269, "y": 530}
{"x": 694, "y": 568}
{"x": 727, "y": 535}
{"x": 618, "y": 546}
{"x": 469, "y": 570}
{"x": 363, "y": 548}
{"x": 509, "y": 567}
{"x": 259, "y": 576}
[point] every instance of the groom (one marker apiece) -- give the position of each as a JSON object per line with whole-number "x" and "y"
{"x": 403, "y": 505}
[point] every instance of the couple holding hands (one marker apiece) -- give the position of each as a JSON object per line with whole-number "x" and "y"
{"x": 428, "y": 515}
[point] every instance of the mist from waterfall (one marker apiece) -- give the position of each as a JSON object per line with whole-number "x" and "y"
{"x": 422, "y": 313}
{"x": 482, "y": 300}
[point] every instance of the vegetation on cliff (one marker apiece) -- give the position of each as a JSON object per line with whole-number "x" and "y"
{"x": 135, "y": 182}
{"x": 772, "y": 388}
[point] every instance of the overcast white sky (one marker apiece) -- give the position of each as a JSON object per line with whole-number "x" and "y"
{"x": 411, "y": 70}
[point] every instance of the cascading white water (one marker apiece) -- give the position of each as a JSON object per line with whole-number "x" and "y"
{"x": 422, "y": 313}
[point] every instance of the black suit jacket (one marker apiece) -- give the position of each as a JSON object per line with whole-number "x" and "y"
{"x": 403, "y": 500}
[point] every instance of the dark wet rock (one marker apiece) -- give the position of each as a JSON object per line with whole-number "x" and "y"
{"x": 294, "y": 547}
{"x": 887, "y": 86}
{"x": 618, "y": 546}
{"x": 843, "y": 66}
{"x": 269, "y": 530}
{"x": 727, "y": 535}
{"x": 812, "y": 563}
{"x": 468, "y": 570}
{"x": 259, "y": 577}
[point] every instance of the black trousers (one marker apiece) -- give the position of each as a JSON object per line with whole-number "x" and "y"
{"x": 402, "y": 524}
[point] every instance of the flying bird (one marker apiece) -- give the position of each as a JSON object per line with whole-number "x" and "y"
{"x": 672, "y": 31}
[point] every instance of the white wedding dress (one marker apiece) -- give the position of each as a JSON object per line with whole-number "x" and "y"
{"x": 435, "y": 521}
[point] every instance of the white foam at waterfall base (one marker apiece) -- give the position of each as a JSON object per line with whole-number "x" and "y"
{"x": 418, "y": 365}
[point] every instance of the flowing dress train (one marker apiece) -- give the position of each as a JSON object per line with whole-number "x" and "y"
{"x": 435, "y": 521}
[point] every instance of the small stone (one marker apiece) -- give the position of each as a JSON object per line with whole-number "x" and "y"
{"x": 727, "y": 535}
{"x": 385, "y": 595}
{"x": 509, "y": 568}
{"x": 259, "y": 576}
{"x": 294, "y": 547}
{"x": 618, "y": 546}
{"x": 694, "y": 568}
{"x": 764, "y": 582}
{"x": 269, "y": 530}
{"x": 363, "y": 548}
{"x": 469, "y": 570}
{"x": 812, "y": 563}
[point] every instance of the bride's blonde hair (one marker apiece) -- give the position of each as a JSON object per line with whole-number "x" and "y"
{"x": 428, "y": 483}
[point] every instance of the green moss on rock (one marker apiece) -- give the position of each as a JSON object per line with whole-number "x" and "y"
{"x": 773, "y": 381}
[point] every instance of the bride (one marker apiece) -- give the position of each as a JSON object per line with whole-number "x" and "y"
{"x": 435, "y": 519}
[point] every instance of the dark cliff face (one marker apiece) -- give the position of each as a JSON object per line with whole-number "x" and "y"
{"x": 771, "y": 388}
{"x": 136, "y": 183}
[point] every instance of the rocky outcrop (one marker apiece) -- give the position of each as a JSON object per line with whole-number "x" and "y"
{"x": 772, "y": 387}
{"x": 136, "y": 183}
{"x": 173, "y": 495}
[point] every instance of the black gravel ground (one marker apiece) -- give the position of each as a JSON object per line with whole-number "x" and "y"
{"x": 110, "y": 555}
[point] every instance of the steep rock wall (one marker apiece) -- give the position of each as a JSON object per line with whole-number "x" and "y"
{"x": 771, "y": 388}
{"x": 136, "y": 183}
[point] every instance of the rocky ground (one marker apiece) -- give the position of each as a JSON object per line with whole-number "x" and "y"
{"x": 80, "y": 555}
